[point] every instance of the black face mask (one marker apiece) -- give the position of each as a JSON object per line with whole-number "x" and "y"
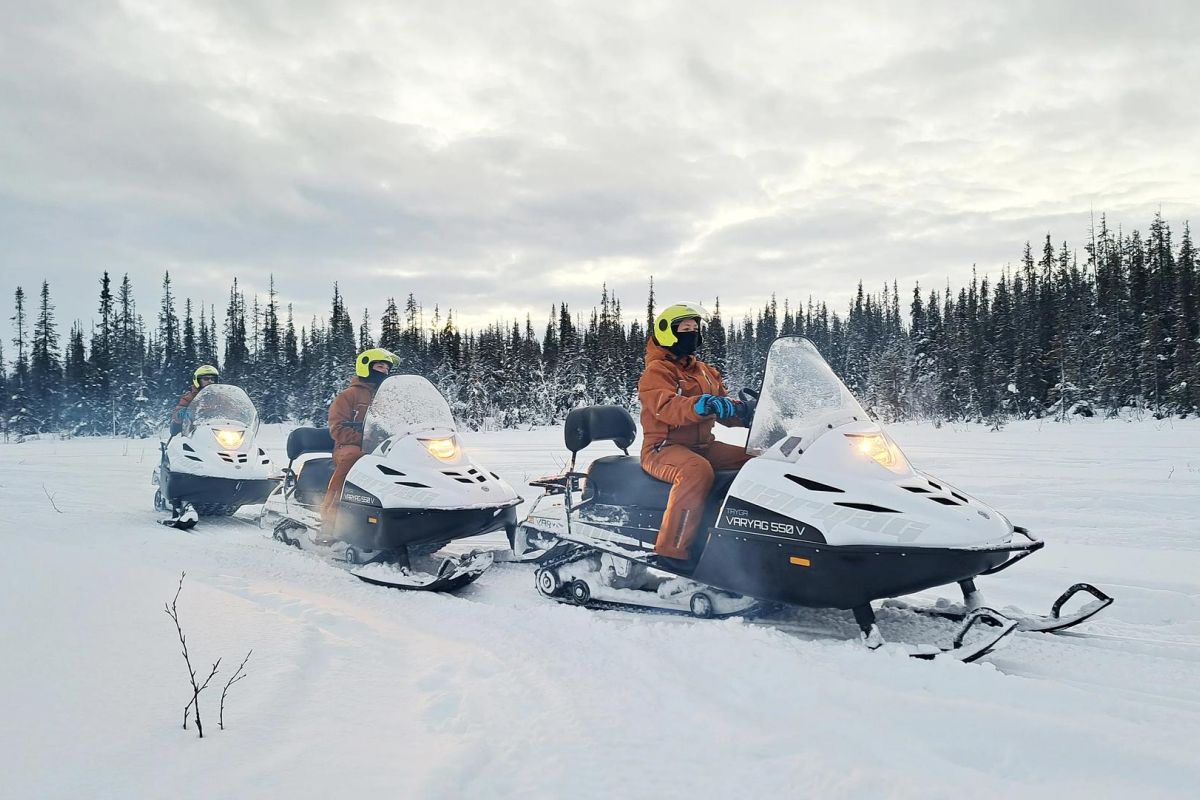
{"x": 376, "y": 377}
{"x": 687, "y": 344}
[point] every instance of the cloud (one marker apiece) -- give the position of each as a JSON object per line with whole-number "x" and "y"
{"x": 497, "y": 162}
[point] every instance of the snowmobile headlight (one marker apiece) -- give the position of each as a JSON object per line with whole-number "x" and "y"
{"x": 444, "y": 449}
{"x": 880, "y": 448}
{"x": 228, "y": 438}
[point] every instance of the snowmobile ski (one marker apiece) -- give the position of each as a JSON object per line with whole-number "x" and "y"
{"x": 452, "y": 574}
{"x": 960, "y": 651}
{"x": 388, "y": 568}
{"x": 185, "y": 519}
{"x": 527, "y": 545}
{"x": 990, "y": 631}
{"x": 1038, "y": 623}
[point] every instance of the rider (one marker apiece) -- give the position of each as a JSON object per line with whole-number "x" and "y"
{"x": 346, "y": 417}
{"x": 681, "y": 398}
{"x": 205, "y": 375}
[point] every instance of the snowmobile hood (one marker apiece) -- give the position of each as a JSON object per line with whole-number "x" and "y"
{"x": 850, "y": 498}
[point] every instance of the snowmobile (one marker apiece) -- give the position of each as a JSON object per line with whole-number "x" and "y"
{"x": 213, "y": 466}
{"x": 828, "y": 513}
{"x": 414, "y": 491}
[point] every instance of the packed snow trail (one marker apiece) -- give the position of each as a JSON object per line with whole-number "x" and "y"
{"x": 498, "y": 692}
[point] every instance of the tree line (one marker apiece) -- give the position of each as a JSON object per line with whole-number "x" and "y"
{"x": 1112, "y": 326}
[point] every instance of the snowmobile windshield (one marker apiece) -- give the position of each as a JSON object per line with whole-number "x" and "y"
{"x": 405, "y": 404}
{"x": 801, "y": 397}
{"x": 223, "y": 404}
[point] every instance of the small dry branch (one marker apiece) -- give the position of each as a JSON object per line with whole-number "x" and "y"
{"x": 197, "y": 687}
{"x": 50, "y": 497}
{"x": 237, "y": 676}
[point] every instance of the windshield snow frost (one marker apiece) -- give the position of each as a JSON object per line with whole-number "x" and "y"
{"x": 801, "y": 396}
{"x": 223, "y": 403}
{"x": 402, "y": 404}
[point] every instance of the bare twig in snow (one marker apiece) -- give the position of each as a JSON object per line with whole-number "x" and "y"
{"x": 51, "y": 497}
{"x": 237, "y": 676}
{"x": 193, "y": 704}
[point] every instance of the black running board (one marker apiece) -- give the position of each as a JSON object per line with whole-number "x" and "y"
{"x": 1053, "y": 622}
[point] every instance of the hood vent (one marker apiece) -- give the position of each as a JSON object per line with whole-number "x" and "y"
{"x": 868, "y": 507}
{"x": 813, "y": 486}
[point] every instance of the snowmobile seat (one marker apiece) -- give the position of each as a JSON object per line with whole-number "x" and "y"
{"x": 621, "y": 481}
{"x": 598, "y": 424}
{"x": 313, "y": 479}
{"x": 308, "y": 440}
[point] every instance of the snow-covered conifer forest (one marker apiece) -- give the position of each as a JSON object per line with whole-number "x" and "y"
{"x": 1097, "y": 327}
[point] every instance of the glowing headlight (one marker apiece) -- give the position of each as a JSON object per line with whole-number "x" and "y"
{"x": 229, "y": 439}
{"x": 880, "y": 448}
{"x": 444, "y": 449}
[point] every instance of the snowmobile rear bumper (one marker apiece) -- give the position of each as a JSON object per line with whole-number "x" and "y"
{"x": 203, "y": 490}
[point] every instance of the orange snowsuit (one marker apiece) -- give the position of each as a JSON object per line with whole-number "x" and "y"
{"x": 678, "y": 445}
{"x": 349, "y": 406}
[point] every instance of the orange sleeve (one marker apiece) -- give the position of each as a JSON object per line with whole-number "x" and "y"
{"x": 343, "y": 410}
{"x": 657, "y": 392}
{"x": 184, "y": 402}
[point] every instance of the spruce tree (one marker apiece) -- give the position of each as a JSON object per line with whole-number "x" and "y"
{"x": 21, "y": 421}
{"x": 1184, "y": 378}
{"x": 75, "y": 406}
{"x": 189, "y": 340}
{"x": 365, "y": 340}
{"x": 173, "y": 371}
{"x": 237, "y": 350}
{"x": 389, "y": 327}
{"x": 715, "y": 345}
{"x": 273, "y": 389}
{"x": 45, "y": 365}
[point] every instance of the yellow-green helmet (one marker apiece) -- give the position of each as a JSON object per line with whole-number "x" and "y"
{"x": 669, "y": 317}
{"x": 362, "y": 364}
{"x": 206, "y": 370}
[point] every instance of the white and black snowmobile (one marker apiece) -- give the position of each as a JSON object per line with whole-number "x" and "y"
{"x": 415, "y": 490}
{"x": 213, "y": 466}
{"x": 828, "y": 513}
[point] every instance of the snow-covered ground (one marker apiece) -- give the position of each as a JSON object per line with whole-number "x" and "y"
{"x": 359, "y": 691}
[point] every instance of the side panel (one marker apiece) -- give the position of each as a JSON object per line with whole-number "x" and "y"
{"x": 372, "y": 528}
{"x": 809, "y": 574}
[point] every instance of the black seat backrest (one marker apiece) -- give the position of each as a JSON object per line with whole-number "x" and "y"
{"x": 598, "y": 424}
{"x": 308, "y": 440}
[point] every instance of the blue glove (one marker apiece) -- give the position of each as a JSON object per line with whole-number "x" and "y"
{"x": 711, "y": 405}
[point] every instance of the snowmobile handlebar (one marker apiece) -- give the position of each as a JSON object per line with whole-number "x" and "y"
{"x": 747, "y": 403}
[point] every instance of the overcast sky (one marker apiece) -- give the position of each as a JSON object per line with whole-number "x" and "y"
{"x": 494, "y": 157}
